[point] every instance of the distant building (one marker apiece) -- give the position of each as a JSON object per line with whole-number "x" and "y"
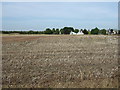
{"x": 73, "y": 33}
{"x": 111, "y": 32}
{"x": 79, "y": 33}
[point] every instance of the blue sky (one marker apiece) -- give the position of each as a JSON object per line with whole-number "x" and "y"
{"x": 42, "y": 15}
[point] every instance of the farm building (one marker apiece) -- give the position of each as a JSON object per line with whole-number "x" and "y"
{"x": 79, "y": 33}
{"x": 72, "y": 33}
{"x": 112, "y": 32}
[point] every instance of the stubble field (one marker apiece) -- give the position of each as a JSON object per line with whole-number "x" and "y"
{"x": 60, "y": 61}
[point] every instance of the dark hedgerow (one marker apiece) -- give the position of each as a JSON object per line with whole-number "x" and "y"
{"x": 65, "y": 30}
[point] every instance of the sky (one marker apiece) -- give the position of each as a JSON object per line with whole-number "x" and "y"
{"x": 41, "y": 15}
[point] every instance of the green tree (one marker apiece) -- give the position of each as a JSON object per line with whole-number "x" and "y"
{"x": 95, "y": 31}
{"x": 76, "y": 30}
{"x": 57, "y": 31}
{"x": 48, "y": 31}
{"x": 103, "y": 31}
{"x": 5, "y": 32}
{"x": 67, "y": 30}
{"x": 53, "y": 30}
{"x": 30, "y": 32}
{"x": 85, "y": 31}
{"x": 89, "y": 32}
{"x": 62, "y": 31}
{"x": 118, "y": 31}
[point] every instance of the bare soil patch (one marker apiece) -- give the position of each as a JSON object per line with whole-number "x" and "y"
{"x": 62, "y": 61}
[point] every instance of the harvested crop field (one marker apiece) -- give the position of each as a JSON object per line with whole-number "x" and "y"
{"x": 60, "y": 61}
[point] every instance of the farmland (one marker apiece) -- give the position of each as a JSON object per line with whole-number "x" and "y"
{"x": 60, "y": 61}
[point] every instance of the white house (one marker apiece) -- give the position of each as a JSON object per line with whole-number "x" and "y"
{"x": 112, "y": 31}
{"x": 80, "y": 33}
{"x": 72, "y": 33}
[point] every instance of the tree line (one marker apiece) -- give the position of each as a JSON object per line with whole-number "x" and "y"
{"x": 65, "y": 30}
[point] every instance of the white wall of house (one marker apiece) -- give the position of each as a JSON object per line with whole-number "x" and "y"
{"x": 79, "y": 33}
{"x": 111, "y": 33}
{"x": 72, "y": 33}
